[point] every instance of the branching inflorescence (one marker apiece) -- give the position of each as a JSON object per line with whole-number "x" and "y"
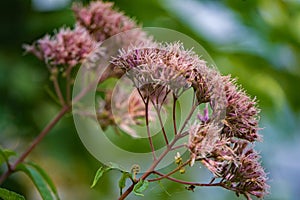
{"x": 221, "y": 138}
{"x": 225, "y": 150}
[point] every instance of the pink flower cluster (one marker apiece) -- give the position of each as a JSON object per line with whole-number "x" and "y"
{"x": 238, "y": 167}
{"x": 223, "y": 145}
{"x": 101, "y": 20}
{"x": 95, "y": 23}
{"x": 67, "y": 48}
{"x": 158, "y": 65}
{"x": 242, "y": 113}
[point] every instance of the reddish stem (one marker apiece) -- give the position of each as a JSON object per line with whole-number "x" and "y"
{"x": 161, "y": 123}
{"x": 169, "y": 148}
{"x": 170, "y": 173}
{"x": 186, "y": 182}
{"x": 57, "y": 88}
{"x": 68, "y": 84}
{"x": 151, "y": 168}
{"x": 148, "y": 128}
{"x": 174, "y": 114}
{"x": 36, "y": 141}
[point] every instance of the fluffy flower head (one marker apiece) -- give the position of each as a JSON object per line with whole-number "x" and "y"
{"x": 102, "y": 21}
{"x": 67, "y": 47}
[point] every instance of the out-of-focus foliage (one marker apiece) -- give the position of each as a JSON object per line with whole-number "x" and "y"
{"x": 257, "y": 41}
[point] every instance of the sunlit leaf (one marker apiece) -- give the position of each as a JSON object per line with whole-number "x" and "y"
{"x": 46, "y": 178}
{"x": 38, "y": 181}
{"x": 99, "y": 174}
{"x": 103, "y": 170}
{"x": 10, "y": 195}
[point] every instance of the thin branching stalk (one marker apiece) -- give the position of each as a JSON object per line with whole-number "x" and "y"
{"x": 152, "y": 167}
{"x": 170, "y": 147}
{"x": 174, "y": 114}
{"x": 65, "y": 109}
{"x": 148, "y": 128}
{"x": 170, "y": 173}
{"x": 161, "y": 123}
{"x": 178, "y": 147}
{"x": 36, "y": 141}
{"x": 68, "y": 84}
{"x": 219, "y": 184}
{"x": 188, "y": 118}
{"x": 57, "y": 88}
{"x": 186, "y": 182}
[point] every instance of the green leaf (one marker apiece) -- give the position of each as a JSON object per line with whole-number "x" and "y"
{"x": 99, "y": 174}
{"x": 141, "y": 186}
{"x": 38, "y": 181}
{"x": 10, "y": 195}
{"x": 5, "y": 154}
{"x": 122, "y": 181}
{"x": 115, "y": 166}
{"x": 46, "y": 178}
{"x": 103, "y": 170}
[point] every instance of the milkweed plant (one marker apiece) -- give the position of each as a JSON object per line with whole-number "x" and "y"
{"x": 217, "y": 132}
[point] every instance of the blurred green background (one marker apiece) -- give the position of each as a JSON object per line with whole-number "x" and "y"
{"x": 257, "y": 41}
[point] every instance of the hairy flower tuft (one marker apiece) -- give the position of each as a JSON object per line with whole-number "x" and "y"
{"x": 202, "y": 140}
{"x": 102, "y": 21}
{"x": 220, "y": 140}
{"x": 168, "y": 65}
{"x": 241, "y": 114}
{"x": 67, "y": 47}
{"x": 238, "y": 165}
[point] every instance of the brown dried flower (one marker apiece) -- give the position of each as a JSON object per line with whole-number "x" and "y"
{"x": 123, "y": 109}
